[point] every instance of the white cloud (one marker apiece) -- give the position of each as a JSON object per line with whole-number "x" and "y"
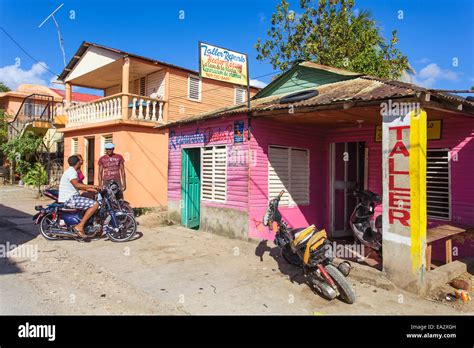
{"x": 432, "y": 73}
{"x": 257, "y": 83}
{"x": 14, "y": 75}
{"x": 423, "y": 61}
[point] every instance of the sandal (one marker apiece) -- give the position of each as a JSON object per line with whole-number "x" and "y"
{"x": 80, "y": 233}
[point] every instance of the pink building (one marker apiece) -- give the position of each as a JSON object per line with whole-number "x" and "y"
{"x": 225, "y": 165}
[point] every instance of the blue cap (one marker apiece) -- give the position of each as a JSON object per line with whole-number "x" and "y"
{"x": 109, "y": 146}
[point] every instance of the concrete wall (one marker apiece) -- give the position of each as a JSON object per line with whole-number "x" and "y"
{"x": 226, "y": 222}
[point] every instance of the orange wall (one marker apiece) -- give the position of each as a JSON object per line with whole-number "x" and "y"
{"x": 145, "y": 151}
{"x": 214, "y": 95}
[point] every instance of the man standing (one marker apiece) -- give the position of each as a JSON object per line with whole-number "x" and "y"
{"x": 69, "y": 187}
{"x": 111, "y": 167}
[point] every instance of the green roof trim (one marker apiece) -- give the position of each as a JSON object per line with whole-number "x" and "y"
{"x": 304, "y": 76}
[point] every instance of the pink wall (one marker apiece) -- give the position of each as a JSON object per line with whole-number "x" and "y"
{"x": 266, "y": 133}
{"x": 209, "y": 134}
{"x": 252, "y": 195}
{"x": 458, "y": 135}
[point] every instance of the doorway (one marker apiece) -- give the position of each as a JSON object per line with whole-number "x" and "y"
{"x": 191, "y": 187}
{"x": 89, "y": 152}
{"x": 347, "y": 173}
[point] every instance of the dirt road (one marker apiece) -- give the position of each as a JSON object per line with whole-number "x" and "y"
{"x": 167, "y": 270}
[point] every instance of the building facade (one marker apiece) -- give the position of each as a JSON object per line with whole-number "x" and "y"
{"x": 225, "y": 166}
{"x": 139, "y": 93}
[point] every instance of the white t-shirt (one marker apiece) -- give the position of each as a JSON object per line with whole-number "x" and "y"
{"x": 66, "y": 189}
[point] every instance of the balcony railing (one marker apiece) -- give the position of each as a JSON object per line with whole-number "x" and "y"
{"x": 110, "y": 108}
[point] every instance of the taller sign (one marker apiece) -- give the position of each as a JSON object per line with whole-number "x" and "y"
{"x": 404, "y": 199}
{"x": 221, "y": 64}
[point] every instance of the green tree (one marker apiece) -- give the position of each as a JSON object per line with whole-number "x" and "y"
{"x": 36, "y": 176}
{"x": 3, "y": 127}
{"x": 23, "y": 150}
{"x": 4, "y": 87}
{"x": 328, "y": 32}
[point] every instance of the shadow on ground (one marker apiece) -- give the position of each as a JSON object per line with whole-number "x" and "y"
{"x": 294, "y": 273}
{"x": 16, "y": 229}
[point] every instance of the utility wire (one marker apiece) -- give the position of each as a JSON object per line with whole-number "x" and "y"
{"x": 24, "y": 51}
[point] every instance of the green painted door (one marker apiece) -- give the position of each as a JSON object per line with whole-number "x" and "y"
{"x": 191, "y": 187}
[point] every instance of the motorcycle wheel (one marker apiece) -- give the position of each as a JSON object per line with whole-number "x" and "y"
{"x": 346, "y": 292}
{"x": 127, "y": 228}
{"x": 289, "y": 256}
{"x": 45, "y": 224}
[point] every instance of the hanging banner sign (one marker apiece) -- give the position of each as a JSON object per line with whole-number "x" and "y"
{"x": 221, "y": 64}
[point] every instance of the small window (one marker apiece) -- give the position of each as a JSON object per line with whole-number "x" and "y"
{"x": 240, "y": 95}
{"x": 438, "y": 184}
{"x": 194, "y": 88}
{"x": 214, "y": 173}
{"x": 143, "y": 86}
{"x": 74, "y": 146}
{"x": 107, "y": 139}
{"x": 288, "y": 169}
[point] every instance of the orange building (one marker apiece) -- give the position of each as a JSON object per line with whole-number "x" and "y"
{"x": 138, "y": 94}
{"x": 40, "y": 109}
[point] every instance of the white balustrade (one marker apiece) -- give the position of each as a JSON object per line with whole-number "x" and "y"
{"x": 110, "y": 108}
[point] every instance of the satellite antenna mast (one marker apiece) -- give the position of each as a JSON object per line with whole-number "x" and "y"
{"x": 61, "y": 41}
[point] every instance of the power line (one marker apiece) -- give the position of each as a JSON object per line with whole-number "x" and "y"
{"x": 29, "y": 55}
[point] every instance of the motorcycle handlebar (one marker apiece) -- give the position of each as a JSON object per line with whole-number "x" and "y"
{"x": 281, "y": 193}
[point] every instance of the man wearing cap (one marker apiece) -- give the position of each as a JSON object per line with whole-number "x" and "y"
{"x": 111, "y": 167}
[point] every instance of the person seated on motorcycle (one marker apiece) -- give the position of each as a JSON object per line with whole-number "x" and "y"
{"x": 69, "y": 187}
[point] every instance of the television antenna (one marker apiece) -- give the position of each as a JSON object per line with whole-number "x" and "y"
{"x": 61, "y": 41}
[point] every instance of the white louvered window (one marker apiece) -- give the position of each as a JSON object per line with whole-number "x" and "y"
{"x": 240, "y": 95}
{"x": 74, "y": 146}
{"x": 438, "y": 184}
{"x": 194, "y": 88}
{"x": 107, "y": 139}
{"x": 288, "y": 169}
{"x": 214, "y": 173}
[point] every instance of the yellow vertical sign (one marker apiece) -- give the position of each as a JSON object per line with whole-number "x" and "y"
{"x": 418, "y": 141}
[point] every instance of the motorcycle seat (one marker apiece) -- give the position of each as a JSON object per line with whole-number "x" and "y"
{"x": 67, "y": 210}
{"x": 301, "y": 236}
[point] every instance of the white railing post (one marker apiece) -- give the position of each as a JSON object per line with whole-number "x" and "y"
{"x": 140, "y": 109}
{"x": 153, "y": 116}
{"x": 160, "y": 113}
{"x": 119, "y": 107}
{"x": 134, "y": 108}
{"x": 147, "y": 116}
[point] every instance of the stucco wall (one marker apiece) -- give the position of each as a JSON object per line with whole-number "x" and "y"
{"x": 146, "y": 159}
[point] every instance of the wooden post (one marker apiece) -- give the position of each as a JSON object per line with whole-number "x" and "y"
{"x": 449, "y": 250}
{"x": 428, "y": 257}
{"x": 125, "y": 84}
{"x": 68, "y": 94}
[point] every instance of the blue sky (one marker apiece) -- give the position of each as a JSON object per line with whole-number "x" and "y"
{"x": 435, "y": 35}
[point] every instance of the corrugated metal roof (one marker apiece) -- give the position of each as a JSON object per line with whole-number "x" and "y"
{"x": 359, "y": 89}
